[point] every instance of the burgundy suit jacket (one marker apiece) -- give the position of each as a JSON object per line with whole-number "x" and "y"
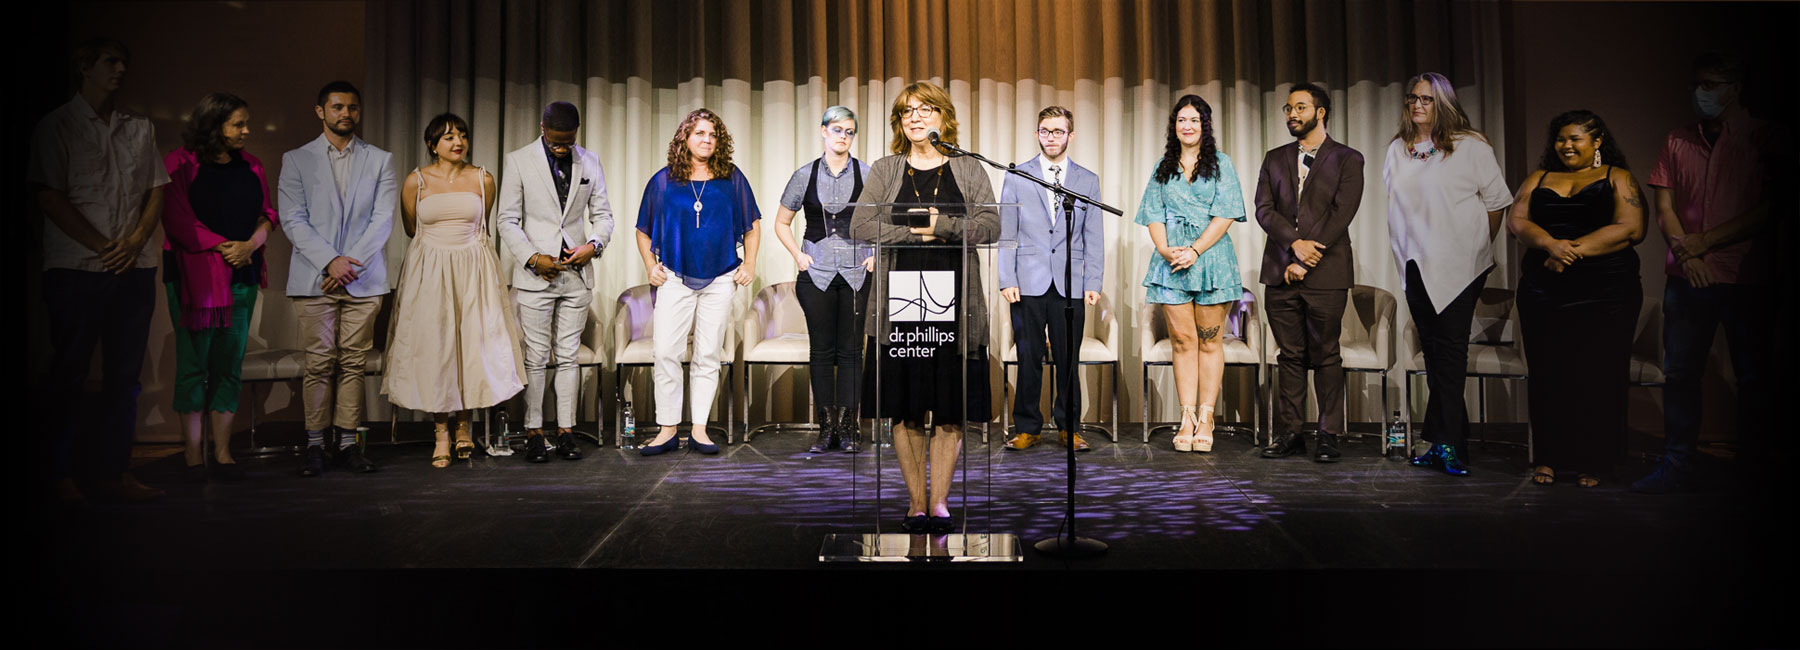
{"x": 1322, "y": 213}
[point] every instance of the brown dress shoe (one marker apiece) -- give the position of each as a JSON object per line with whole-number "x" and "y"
{"x": 1080, "y": 445}
{"x": 127, "y": 489}
{"x": 1021, "y": 441}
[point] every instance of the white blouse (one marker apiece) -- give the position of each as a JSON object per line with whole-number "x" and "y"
{"x": 1437, "y": 213}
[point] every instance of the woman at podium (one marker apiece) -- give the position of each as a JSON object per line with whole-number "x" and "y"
{"x": 929, "y": 331}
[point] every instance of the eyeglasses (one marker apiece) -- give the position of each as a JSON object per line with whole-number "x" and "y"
{"x": 1422, "y": 100}
{"x": 924, "y": 110}
{"x": 1291, "y": 109}
{"x": 1054, "y": 133}
{"x": 841, "y": 131}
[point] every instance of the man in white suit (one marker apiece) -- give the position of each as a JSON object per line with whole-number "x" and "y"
{"x": 1031, "y": 275}
{"x": 555, "y": 219}
{"x": 337, "y": 207}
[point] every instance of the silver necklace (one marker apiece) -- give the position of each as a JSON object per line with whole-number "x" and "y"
{"x": 697, "y": 205}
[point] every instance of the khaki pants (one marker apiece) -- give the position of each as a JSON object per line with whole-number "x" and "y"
{"x": 337, "y": 330}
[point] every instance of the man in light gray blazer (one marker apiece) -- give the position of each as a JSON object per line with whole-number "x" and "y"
{"x": 337, "y": 207}
{"x": 1032, "y": 275}
{"x": 555, "y": 219}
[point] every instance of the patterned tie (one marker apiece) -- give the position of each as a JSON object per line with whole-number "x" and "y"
{"x": 1056, "y": 176}
{"x": 1306, "y": 161}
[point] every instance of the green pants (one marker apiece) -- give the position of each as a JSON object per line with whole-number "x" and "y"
{"x": 209, "y": 363}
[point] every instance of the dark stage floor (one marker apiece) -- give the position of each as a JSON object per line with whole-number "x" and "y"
{"x": 1369, "y": 546}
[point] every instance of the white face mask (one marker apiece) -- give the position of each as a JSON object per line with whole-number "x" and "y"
{"x": 1707, "y": 104}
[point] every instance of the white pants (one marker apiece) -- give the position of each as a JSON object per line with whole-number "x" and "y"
{"x": 706, "y": 313}
{"x": 552, "y": 321}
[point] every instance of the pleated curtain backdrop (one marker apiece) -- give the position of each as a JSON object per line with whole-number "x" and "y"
{"x": 771, "y": 67}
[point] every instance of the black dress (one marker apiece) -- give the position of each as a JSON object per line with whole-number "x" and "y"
{"x": 1577, "y": 328}
{"x": 913, "y": 369}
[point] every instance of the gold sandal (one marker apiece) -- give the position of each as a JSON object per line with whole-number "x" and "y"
{"x": 440, "y": 451}
{"x": 465, "y": 444}
{"x": 1185, "y": 442}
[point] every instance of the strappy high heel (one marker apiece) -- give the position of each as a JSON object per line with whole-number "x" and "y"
{"x": 440, "y": 451}
{"x": 1203, "y": 436}
{"x": 465, "y": 443}
{"x": 1185, "y": 441}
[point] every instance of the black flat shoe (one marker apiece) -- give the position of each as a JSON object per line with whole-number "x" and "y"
{"x": 228, "y": 471}
{"x": 1326, "y": 449}
{"x": 535, "y": 450}
{"x": 194, "y": 473}
{"x": 702, "y": 447}
{"x": 566, "y": 446}
{"x": 673, "y": 444}
{"x": 1285, "y": 445}
{"x": 916, "y": 524}
{"x": 941, "y": 525}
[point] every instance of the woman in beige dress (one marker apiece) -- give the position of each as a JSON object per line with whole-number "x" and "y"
{"x": 455, "y": 339}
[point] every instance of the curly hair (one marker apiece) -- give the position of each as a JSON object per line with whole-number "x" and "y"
{"x": 206, "y": 125}
{"x": 1207, "y": 166}
{"x": 1596, "y": 128}
{"x": 681, "y": 166}
{"x": 927, "y": 93}
{"x": 1447, "y": 117}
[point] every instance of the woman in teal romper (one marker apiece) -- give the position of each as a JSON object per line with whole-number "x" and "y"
{"x": 1190, "y": 203}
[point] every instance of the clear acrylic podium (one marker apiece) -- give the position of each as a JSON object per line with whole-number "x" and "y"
{"x": 931, "y": 304}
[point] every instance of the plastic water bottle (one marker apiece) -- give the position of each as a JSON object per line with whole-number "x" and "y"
{"x": 886, "y": 433}
{"x": 628, "y": 433}
{"x": 1396, "y": 438}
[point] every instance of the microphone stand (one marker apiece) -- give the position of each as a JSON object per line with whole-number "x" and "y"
{"x": 1069, "y": 545}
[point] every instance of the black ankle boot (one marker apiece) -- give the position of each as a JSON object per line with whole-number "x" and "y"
{"x": 827, "y": 430}
{"x": 849, "y": 429}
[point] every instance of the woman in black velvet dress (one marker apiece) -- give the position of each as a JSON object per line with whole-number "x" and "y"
{"x": 1579, "y": 294}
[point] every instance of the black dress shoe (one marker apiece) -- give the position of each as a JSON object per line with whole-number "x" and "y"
{"x": 535, "y": 450}
{"x": 352, "y": 458}
{"x": 312, "y": 461}
{"x": 566, "y": 447}
{"x": 228, "y": 471}
{"x": 916, "y": 524}
{"x": 1284, "y": 445}
{"x": 1664, "y": 480}
{"x": 941, "y": 525}
{"x": 194, "y": 473}
{"x": 1326, "y": 450}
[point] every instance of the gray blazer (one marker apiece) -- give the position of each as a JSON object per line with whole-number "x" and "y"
{"x": 982, "y": 227}
{"x": 1037, "y": 263}
{"x": 531, "y": 221}
{"x": 323, "y": 224}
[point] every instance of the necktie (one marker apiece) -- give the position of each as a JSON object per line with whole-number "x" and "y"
{"x": 1056, "y": 178}
{"x": 1306, "y": 161}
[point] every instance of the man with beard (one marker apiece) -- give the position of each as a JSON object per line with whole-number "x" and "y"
{"x": 337, "y": 207}
{"x": 96, "y": 176}
{"x": 1306, "y": 195}
{"x": 1032, "y": 275}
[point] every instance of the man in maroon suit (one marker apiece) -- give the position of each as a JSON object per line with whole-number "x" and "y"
{"x": 1306, "y": 195}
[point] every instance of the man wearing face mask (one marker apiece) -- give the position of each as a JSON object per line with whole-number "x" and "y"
{"x": 555, "y": 219}
{"x": 1712, "y": 198}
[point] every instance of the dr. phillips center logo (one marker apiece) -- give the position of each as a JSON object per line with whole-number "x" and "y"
{"x": 920, "y": 296}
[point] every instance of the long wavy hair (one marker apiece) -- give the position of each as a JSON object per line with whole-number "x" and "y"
{"x": 1447, "y": 117}
{"x": 927, "y": 93}
{"x": 205, "y": 134}
{"x": 1208, "y": 164}
{"x": 1595, "y": 127}
{"x": 681, "y": 166}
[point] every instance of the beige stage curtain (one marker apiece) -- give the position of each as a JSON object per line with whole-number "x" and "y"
{"x": 770, "y": 68}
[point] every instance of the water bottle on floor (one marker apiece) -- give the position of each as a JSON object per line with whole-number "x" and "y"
{"x": 1396, "y": 438}
{"x": 628, "y": 432}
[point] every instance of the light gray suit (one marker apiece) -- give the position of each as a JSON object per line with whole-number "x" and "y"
{"x": 533, "y": 221}
{"x": 1035, "y": 267}
{"x": 323, "y": 224}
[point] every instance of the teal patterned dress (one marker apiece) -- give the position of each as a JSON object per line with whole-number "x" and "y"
{"x": 1185, "y": 210}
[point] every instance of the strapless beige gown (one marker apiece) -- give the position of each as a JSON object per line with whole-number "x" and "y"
{"x": 455, "y": 340}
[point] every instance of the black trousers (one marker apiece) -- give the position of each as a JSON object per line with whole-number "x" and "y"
{"x": 94, "y": 311}
{"x": 1029, "y": 319}
{"x": 1307, "y": 323}
{"x": 834, "y": 327}
{"x": 1444, "y": 335}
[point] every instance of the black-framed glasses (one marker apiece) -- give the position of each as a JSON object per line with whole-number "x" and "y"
{"x": 923, "y": 110}
{"x": 1422, "y": 100}
{"x": 1054, "y": 133}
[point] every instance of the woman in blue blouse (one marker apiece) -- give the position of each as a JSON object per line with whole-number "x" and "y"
{"x": 695, "y": 213}
{"x": 1190, "y": 203}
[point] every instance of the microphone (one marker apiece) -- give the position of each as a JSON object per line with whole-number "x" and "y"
{"x": 932, "y": 135}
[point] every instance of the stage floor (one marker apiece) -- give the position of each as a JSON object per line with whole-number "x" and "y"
{"x": 767, "y": 504}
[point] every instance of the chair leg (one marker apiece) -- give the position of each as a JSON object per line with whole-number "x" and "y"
{"x": 1144, "y": 399}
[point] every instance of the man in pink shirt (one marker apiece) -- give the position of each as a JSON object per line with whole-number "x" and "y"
{"x": 1711, "y": 204}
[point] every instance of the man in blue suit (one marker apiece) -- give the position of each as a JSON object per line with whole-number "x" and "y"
{"x": 337, "y": 207}
{"x": 1032, "y": 275}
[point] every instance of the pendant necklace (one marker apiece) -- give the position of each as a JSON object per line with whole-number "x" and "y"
{"x": 697, "y": 205}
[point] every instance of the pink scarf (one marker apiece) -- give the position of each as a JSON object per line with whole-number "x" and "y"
{"x": 204, "y": 285}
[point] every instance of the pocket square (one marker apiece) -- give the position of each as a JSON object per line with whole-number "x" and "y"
{"x": 584, "y": 181}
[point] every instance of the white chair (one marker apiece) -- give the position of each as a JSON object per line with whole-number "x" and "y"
{"x": 1099, "y": 347}
{"x": 1646, "y": 358}
{"x": 588, "y": 358}
{"x": 1495, "y": 352}
{"x": 634, "y": 347}
{"x": 1243, "y": 349}
{"x": 775, "y": 335}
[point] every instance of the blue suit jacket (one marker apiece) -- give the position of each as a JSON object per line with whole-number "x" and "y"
{"x": 323, "y": 224}
{"x": 1037, "y": 263}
